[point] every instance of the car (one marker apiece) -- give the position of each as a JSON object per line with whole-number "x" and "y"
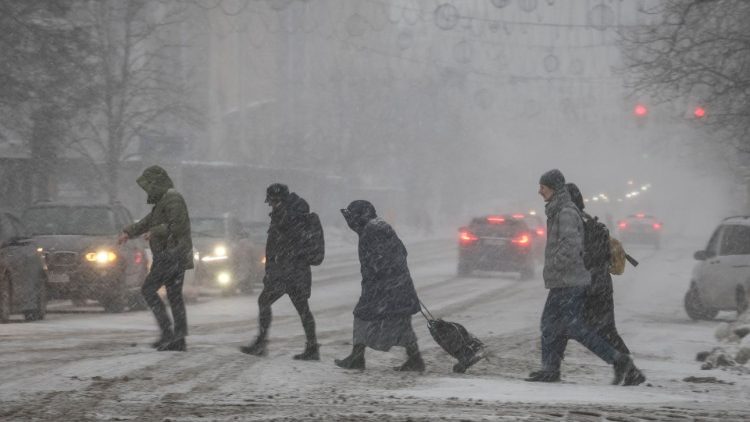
{"x": 640, "y": 229}
{"x": 229, "y": 257}
{"x": 721, "y": 278}
{"x": 538, "y": 228}
{"x": 496, "y": 243}
{"x": 84, "y": 261}
{"x": 23, "y": 276}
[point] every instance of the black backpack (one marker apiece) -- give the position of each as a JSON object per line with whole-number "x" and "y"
{"x": 596, "y": 248}
{"x": 313, "y": 242}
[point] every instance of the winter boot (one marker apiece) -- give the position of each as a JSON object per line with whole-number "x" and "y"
{"x": 175, "y": 346}
{"x": 414, "y": 362}
{"x": 165, "y": 339}
{"x": 310, "y": 353}
{"x": 543, "y": 376}
{"x": 626, "y": 372}
{"x": 356, "y": 360}
{"x": 258, "y": 348}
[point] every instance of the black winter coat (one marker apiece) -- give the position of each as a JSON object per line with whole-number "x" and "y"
{"x": 387, "y": 288}
{"x": 284, "y": 244}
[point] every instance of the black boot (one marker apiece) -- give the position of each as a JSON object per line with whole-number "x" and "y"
{"x": 543, "y": 376}
{"x": 164, "y": 339}
{"x": 356, "y": 360}
{"x": 258, "y": 348}
{"x": 175, "y": 346}
{"x": 310, "y": 353}
{"x": 626, "y": 372}
{"x": 414, "y": 362}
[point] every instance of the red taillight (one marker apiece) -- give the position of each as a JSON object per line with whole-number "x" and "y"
{"x": 466, "y": 237}
{"x": 623, "y": 225}
{"x": 518, "y": 216}
{"x": 540, "y": 232}
{"x": 522, "y": 240}
{"x": 138, "y": 257}
{"x": 640, "y": 215}
{"x": 494, "y": 219}
{"x": 657, "y": 226}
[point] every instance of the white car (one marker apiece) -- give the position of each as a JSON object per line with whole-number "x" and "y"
{"x": 721, "y": 279}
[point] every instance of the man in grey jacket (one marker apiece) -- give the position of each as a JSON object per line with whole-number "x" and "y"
{"x": 566, "y": 278}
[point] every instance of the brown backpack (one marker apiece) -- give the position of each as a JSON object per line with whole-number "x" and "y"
{"x": 618, "y": 257}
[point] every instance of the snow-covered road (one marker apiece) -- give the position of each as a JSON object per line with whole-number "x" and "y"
{"x": 95, "y": 366}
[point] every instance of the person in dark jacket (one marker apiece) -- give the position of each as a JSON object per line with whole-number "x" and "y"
{"x": 287, "y": 269}
{"x": 382, "y": 317}
{"x": 566, "y": 278}
{"x": 599, "y": 308}
{"x": 167, "y": 228}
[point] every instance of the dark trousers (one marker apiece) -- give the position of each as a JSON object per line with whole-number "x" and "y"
{"x": 600, "y": 314}
{"x": 273, "y": 292}
{"x": 562, "y": 319}
{"x": 171, "y": 276}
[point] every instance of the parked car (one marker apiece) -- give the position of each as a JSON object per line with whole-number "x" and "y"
{"x": 640, "y": 229}
{"x": 23, "y": 279}
{"x": 84, "y": 261}
{"x": 230, "y": 257}
{"x": 496, "y": 243}
{"x": 721, "y": 278}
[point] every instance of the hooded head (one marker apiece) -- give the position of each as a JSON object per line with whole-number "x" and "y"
{"x": 358, "y": 214}
{"x": 575, "y": 195}
{"x": 156, "y": 182}
{"x": 276, "y": 193}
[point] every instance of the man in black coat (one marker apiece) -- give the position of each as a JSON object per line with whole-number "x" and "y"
{"x": 382, "y": 317}
{"x": 287, "y": 269}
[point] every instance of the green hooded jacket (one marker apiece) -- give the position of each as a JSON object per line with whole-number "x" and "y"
{"x": 168, "y": 221}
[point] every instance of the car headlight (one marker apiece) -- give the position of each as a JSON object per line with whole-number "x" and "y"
{"x": 218, "y": 254}
{"x": 223, "y": 278}
{"x": 101, "y": 257}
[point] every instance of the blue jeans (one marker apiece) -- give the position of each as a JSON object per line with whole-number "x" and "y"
{"x": 563, "y": 318}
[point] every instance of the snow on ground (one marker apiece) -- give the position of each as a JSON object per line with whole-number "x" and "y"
{"x": 95, "y": 366}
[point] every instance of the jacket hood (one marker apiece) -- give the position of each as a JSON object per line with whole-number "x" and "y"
{"x": 156, "y": 182}
{"x": 358, "y": 214}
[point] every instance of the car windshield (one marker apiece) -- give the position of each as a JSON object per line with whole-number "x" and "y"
{"x": 207, "y": 227}
{"x": 69, "y": 220}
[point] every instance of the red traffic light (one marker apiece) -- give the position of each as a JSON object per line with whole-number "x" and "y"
{"x": 699, "y": 112}
{"x": 640, "y": 110}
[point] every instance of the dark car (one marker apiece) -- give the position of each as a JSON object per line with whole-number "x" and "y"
{"x": 230, "y": 257}
{"x": 640, "y": 229}
{"x": 496, "y": 243}
{"x": 84, "y": 261}
{"x": 23, "y": 279}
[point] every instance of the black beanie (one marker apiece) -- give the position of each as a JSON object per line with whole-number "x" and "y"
{"x": 553, "y": 179}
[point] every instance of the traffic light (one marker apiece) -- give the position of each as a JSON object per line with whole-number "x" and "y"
{"x": 699, "y": 112}
{"x": 640, "y": 110}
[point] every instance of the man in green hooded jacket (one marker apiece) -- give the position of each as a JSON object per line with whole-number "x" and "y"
{"x": 167, "y": 228}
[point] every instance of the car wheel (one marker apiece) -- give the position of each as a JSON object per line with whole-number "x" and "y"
{"x": 695, "y": 308}
{"x": 741, "y": 300}
{"x": 6, "y": 297}
{"x": 41, "y": 311}
{"x": 113, "y": 305}
{"x": 463, "y": 269}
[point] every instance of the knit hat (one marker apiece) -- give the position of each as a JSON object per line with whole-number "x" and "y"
{"x": 553, "y": 179}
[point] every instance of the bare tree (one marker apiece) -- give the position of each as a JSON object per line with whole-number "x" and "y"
{"x": 700, "y": 55}
{"x": 142, "y": 87}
